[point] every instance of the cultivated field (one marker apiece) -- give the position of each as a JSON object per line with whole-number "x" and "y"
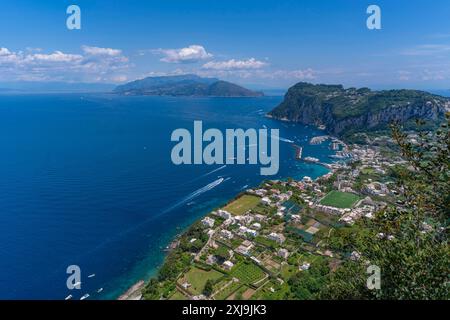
{"x": 242, "y": 204}
{"x": 198, "y": 277}
{"x": 339, "y": 199}
{"x": 248, "y": 272}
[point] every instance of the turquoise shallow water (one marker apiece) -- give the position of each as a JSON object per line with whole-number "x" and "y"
{"x": 88, "y": 180}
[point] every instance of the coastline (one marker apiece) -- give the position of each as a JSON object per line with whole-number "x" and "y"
{"x": 134, "y": 292}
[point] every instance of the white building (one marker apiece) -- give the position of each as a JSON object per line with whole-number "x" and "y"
{"x": 279, "y": 238}
{"x": 255, "y": 259}
{"x": 211, "y": 259}
{"x": 304, "y": 266}
{"x": 252, "y": 232}
{"x": 226, "y": 234}
{"x": 223, "y": 214}
{"x": 259, "y": 217}
{"x": 248, "y": 231}
{"x": 208, "y": 222}
{"x": 227, "y": 265}
{"x": 283, "y": 253}
{"x": 256, "y": 226}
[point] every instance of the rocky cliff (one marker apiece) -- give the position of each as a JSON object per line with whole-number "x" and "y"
{"x": 343, "y": 110}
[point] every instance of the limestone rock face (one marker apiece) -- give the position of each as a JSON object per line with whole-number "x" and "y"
{"x": 342, "y": 110}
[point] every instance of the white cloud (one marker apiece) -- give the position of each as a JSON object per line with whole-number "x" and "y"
{"x": 427, "y": 74}
{"x": 4, "y": 52}
{"x": 56, "y": 56}
{"x": 233, "y": 64}
{"x": 97, "y": 51}
{"x": 119, "y": 78}
{"x": 305, "y": 74}
{"x": 427, "y": 50}
{"x": 433, "y": 75}
{"x": 94, "y": 64}
{"x": 404, "y": 75}
{"x": 262, "y": 74}
{"x": 193, "y": 53}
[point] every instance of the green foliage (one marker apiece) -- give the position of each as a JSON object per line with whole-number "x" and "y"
{"x": 222, "y": 253}
{"x": 409, "y": 242}
{"x": 184, "y": 85}
{"x": 247, "y": 272}
{"x": 151, "y": 291}
{"x": 339, "y": 199}
{"x": 342, "y": 239}
{"x": 306, "y": 285}
{"x": 209, "y": 287}
{"x": 347, "y": 111}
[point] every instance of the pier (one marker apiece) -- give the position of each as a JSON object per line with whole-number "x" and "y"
{"x": 298, "y": 156}
{"x": 298, "y": 151}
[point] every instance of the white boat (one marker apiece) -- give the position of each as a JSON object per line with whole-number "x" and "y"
{"x": 85, "y": 296}
{"x": 91, "y": 275}
{"x": 68, "y": 297}
{"x": 99, "y": 290}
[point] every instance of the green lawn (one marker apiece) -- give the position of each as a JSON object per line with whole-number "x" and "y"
{"x": 247, "y": 272}
{"x": 178, "y": 296}
{"x": 287, "y": 271}
{"x": 339, "y": 199}
{"x": 242, "y": 204}
{"x": 281, "y": 291}
{"x": 198, "y": 277}
{"x": 222, "y": 295}
{"x": 266, "y": 242}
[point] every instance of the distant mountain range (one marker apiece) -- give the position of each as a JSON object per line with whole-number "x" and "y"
{"x": 184, "y": 85}
{"x": 343, "y": 111}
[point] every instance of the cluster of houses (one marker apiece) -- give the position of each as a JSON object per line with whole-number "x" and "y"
{"x": 377, "y": 189}
{"x": 225, "y": 227}
{"x": 330, "y": 210}
{"x": 246, "y": 227}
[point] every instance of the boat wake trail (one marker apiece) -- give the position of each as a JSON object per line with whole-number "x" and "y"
{"x": 205, "y": 175}
{"x": 187, "y": 199}
{"x": 196, "y": 193}
{"x": 215, "y": 170}
{"x": 284, "y": 139}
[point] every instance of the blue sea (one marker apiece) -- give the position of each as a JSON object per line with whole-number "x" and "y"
{"x": 87, "y": 180}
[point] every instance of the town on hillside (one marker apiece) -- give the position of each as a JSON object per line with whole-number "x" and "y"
{"x": 252, "y": 247}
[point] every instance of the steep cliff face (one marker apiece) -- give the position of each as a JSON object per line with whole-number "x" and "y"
{"x": 342, "y": 110}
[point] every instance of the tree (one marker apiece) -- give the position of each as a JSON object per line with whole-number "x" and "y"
{"x": 307, "y": 284}
{"x": 407, "y": 242}
{"x": 151, "y": 291}
{"x": 209, "y": 287}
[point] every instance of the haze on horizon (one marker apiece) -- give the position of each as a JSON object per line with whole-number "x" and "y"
{"x": 258, "y": 44}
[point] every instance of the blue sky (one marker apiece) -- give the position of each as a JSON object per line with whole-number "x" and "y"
{"x": 266, "y": 44}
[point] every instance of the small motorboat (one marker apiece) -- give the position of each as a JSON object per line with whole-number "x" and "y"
{"x": 85, "y": 296}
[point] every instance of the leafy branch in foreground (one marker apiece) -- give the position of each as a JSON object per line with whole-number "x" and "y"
{"x": 408, "y": 242}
